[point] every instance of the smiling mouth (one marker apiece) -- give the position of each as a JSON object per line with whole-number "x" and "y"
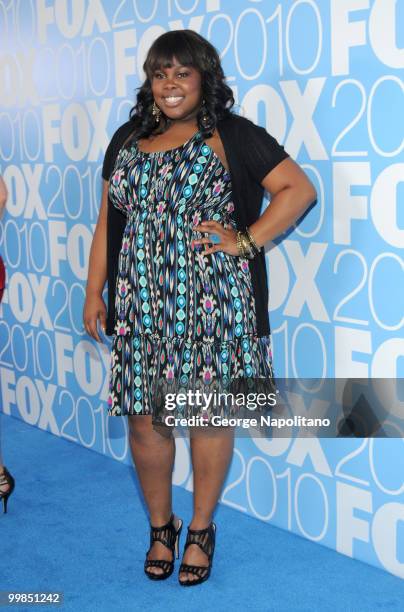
{"x": 173, "y": 100}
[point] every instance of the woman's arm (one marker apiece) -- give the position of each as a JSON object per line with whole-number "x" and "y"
{"x": 3, "y": 193}
{"x": 291, "y": 194}
{"x": 94, "y": 306}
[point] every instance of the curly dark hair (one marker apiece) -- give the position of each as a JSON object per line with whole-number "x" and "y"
{"x": 189, "y": 49}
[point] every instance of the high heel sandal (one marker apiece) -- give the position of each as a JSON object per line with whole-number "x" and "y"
{"x": 205, "y": 539}
{"x": 169, "y": 536}
{"x": 6, "y": 479}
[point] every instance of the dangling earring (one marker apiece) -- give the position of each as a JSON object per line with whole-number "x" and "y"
{"x": 156, "y": 112}
{"x": 204, "y": 114}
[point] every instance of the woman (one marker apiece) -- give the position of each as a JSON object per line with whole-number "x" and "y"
{"x": 180, "y": 240}
{"x": 7, "y": 482}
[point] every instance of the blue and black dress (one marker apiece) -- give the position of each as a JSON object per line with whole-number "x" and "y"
{"x": 184, "y": 320}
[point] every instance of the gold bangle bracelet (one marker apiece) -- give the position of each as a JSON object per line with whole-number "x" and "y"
{"x": 248, "y": 246}
{"x": 244, "y": 245}
{"x": 241, "y": 244}
{"x": 254, "y": 244}
{"x": 239, "y": 247}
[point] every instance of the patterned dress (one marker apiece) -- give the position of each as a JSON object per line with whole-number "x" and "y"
{"x": 184, "y": 320}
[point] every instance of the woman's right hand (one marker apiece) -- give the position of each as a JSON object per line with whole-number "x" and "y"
{"x": 94, "y": 309}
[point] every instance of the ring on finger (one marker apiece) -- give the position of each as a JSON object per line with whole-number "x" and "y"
{"x": 215, "y": 238}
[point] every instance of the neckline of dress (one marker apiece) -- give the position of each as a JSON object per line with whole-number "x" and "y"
{"x": 184, "y": 144}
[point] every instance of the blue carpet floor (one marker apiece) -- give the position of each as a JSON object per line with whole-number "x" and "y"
{"x": 76, "y": 524}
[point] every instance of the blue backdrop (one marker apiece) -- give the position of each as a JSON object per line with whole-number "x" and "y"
{"x": 325, "y": 78}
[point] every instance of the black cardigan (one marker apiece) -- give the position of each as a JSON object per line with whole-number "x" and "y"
{"x": 251, "y": 154}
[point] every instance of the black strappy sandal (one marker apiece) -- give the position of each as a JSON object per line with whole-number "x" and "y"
{"x": 167, "y": 535}
{"x": 205, "y": 539}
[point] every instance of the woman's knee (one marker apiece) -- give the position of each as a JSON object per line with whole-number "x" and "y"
{"x": 141, "y": 428}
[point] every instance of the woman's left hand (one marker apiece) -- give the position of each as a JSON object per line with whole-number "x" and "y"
{"x": 227, "y": 237}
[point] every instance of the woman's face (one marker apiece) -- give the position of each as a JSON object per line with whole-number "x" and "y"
{"x": 177, "y": 91}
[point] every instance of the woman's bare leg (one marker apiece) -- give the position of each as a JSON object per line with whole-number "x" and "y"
{"x": 211, "y": 456}
{"x": 4, "y": 486}
{"x": 153, "y": 455}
